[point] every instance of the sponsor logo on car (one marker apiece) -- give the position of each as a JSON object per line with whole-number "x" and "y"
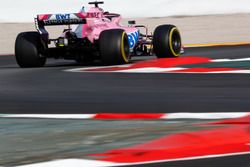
{"x": 133, "y": 38}
{"x": 59, "y": 19}
{"x": 62, "y": 16}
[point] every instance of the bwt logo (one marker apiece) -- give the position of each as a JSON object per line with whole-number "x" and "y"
{"x": 133, "y": 38}
{"x": 62, "y": 16}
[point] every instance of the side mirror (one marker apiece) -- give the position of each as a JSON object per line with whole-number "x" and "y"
{"x": 132, "y": 22}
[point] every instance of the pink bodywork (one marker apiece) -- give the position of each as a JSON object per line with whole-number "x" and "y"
{"x": 97, "y": 22}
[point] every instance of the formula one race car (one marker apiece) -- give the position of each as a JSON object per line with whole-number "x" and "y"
{"x": 98, "y": 35}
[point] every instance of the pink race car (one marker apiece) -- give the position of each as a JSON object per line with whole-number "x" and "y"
{"x": 98, "y": 35}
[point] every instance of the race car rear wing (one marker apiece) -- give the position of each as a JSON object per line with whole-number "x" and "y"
{"x": 57, "y": 19}
{"x": 61, "y": 19}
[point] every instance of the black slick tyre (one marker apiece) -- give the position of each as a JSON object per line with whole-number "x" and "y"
{"x": 29, "y": 50}
{"x": 114, "y": 47}
{"x": 167, "y": 41}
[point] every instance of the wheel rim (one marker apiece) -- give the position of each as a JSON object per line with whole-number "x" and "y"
{"x": 125, "y": 47}
{"x": 175, "y": 42}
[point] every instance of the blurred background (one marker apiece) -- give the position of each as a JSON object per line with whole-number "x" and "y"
{"x": 25, "y": 10}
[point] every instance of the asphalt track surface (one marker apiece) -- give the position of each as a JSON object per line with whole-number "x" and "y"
{"x": 230, "y": 161}
{"x": 52, "y": 90}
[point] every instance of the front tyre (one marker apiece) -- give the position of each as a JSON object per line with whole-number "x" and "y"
{"x": 114, "y": 47}
{"x": 167, "y": 41}
{"x": 29, "y": 50}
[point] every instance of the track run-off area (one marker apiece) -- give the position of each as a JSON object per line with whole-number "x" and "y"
{"x": 108, "y": 140}
{"x": 190, "y": 111}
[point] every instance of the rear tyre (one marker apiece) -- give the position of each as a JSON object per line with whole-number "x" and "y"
{"x": 114, "y": 47}
{"x": 167, "y": 41}
{"x": 30, "y": 50}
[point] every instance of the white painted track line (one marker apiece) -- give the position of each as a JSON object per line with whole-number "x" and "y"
{"x": 127, "y": 115}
